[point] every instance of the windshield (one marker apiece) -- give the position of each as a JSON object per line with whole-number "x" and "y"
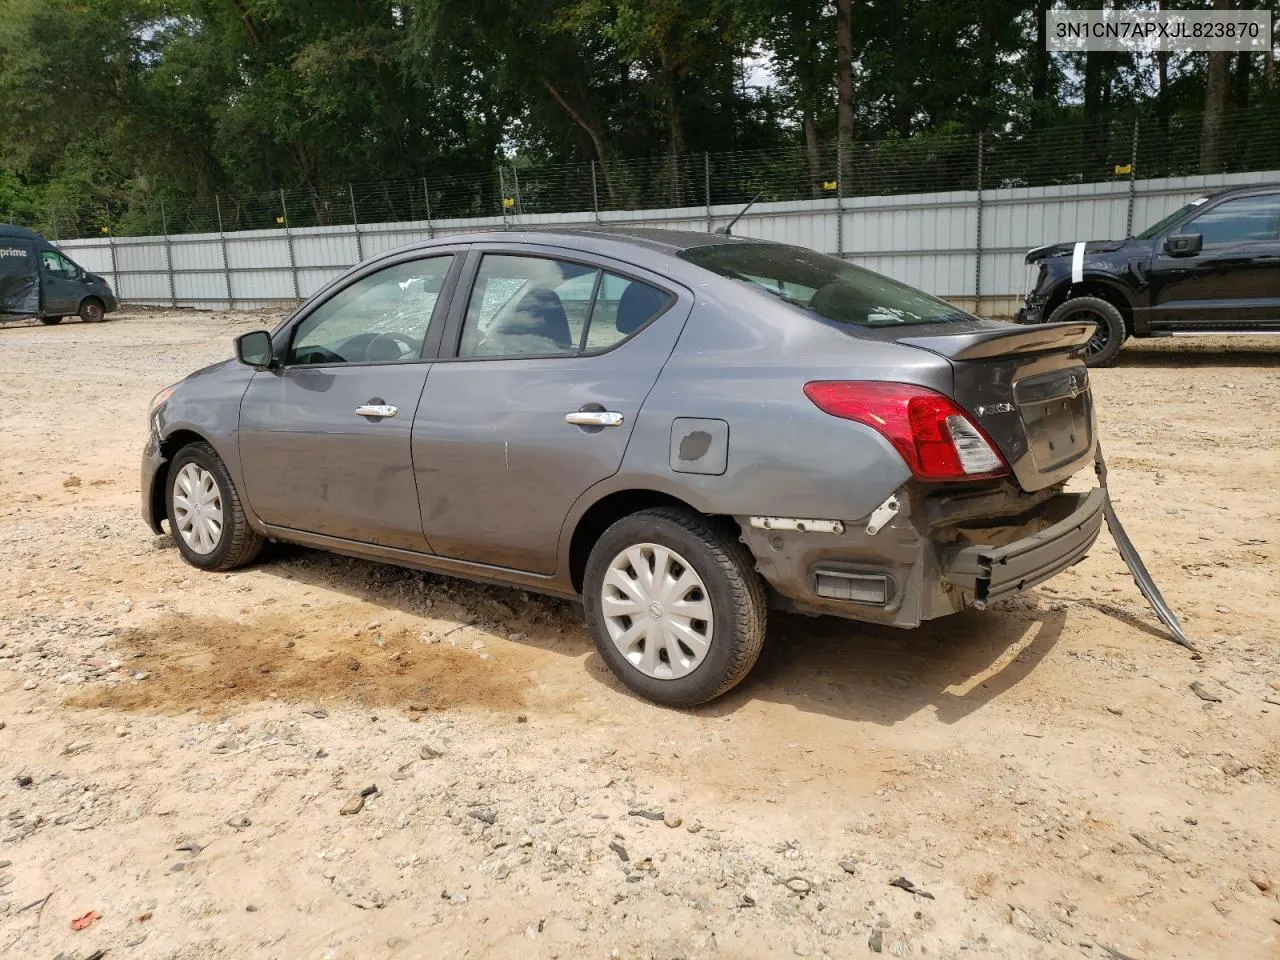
{"x": 824, "y": 285}
{"x": 1152, "y": 231}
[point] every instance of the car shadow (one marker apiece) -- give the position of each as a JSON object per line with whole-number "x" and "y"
{"x": 841, "y": 668}
{"x": 1192, "y": 354}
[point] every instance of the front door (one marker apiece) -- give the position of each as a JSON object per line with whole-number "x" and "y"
{"x": 324, "y": 438}
{"x": 1233, "y": 282}
{"x": 555, "y": 360}
{"x": 60, "y": 285}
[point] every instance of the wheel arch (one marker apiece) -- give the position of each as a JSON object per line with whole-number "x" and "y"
{"x": 169, "y": 448}
{"x": 92, "y": 298}
{"x": 1104, "y": 288}
{"x": 605, "y": 512}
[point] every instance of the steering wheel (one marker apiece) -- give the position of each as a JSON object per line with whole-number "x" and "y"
{"x": 405, "y": 346}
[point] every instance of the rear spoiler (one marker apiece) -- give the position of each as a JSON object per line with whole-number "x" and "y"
{"x": 985, "y": 342}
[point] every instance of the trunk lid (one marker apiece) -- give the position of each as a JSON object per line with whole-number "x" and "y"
{"x": 1027, "y": 387}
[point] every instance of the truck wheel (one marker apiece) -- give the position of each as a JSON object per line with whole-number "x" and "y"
{"x": 675, "y": 606}
{"x": 91, "y": 311}
{"x": 206, "y": 519}
{"x": 50, "y": 321}
{"x": 1110, "y": 333}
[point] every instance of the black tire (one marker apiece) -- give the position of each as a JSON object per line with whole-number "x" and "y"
{"x": 238, "y": 544}
{"x": 50, "y": 321}
{"x": 93, "y": 311}
{"x": 1111, "y": 331}
{"x": 733, "y": 588}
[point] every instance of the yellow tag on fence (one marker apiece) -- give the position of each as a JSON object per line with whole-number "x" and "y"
{"x": 280, "y": 220}
{"x": 508, "y": 203}
{"x": 1123, "y": 168}
{"x": 828, "y": 184}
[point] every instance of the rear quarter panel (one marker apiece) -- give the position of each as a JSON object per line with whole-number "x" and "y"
{"x": 745, "y": 359}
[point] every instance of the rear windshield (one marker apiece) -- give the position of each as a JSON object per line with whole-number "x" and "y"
{"x": 831, "y": 288}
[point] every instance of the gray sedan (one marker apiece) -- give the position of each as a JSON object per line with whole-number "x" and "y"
{"x": 685, "y": 430}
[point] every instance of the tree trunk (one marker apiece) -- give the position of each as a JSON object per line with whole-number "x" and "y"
{"x": 1217, "y": 96}
{"x": 1241, "y": 77}
{"x": 1097, "y": 81}
{"x": 589, "y": 128}
{"x": 813, "y": 152}
{"x": 844, "y": 71}
{"x": 1040, "y": 55}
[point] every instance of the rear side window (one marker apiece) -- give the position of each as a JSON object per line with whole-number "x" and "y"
{"x": 1241, "y": 220}
{"x": 524, "y": 306}
{"x": 823, "y": 285}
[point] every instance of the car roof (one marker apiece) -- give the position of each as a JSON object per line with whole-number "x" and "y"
{"x": 597, "y": 238}
{"x": 1244, "y": 190}
{"x": 12, "y": 230}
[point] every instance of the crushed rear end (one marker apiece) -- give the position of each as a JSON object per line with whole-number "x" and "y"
{"x": 935, "y": 547}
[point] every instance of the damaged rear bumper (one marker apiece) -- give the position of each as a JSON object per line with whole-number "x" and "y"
{"x": 989, "y": 573}
{"x": 933, "y": 558}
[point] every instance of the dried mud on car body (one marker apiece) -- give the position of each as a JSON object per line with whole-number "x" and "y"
{"x": 1042, "y": 769}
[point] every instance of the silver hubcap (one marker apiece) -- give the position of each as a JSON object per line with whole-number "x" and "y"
{"x": 197, "y": 508}
{"x": 657, "y": 611}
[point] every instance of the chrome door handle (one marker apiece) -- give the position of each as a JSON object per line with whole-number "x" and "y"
{"x": 594, "y": 418}
{"x": 376, "y": 410}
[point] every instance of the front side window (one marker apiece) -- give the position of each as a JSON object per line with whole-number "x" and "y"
{"x": 1241, "y": 220}
{"x": 826, "y": 286}
{"x": 381, "y": 318}
{"x": 58, "y": 265}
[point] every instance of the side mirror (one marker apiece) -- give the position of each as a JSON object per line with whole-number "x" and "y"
{"x": 1183, "y": 244}
{"x": 254, "y": 349}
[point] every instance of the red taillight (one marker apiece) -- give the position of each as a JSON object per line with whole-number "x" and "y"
{"x": 936, "y": 437}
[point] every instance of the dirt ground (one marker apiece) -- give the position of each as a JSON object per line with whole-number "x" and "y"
{"x": 176, "y": 748}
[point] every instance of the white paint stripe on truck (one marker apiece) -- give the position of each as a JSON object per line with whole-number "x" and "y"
{"x": 1077, "y": 262}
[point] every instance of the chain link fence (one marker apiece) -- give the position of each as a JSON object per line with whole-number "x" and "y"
{"x": 1085, "y": 151}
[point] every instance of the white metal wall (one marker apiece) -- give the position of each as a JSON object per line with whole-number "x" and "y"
{"x": 931, "y": 240}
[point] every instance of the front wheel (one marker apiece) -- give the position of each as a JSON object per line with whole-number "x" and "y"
{"x": 92, "y": 311}
{"x": 206, "y": 519}
{"x": 1109, "y": 329}
{"x": 675, "y": 606}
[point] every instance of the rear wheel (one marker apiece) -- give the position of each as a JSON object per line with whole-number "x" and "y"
{"x": 50, "y": 321}
{"x": 675, "y": 606}
{"x": 1109, "y": 329}
{"x": 206, "y": 519}
{"x": 92, "y": 311}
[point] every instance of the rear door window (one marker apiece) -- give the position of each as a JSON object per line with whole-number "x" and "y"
{"x": 530, "y": 306}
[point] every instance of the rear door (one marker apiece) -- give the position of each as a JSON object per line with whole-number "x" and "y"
{"x": 19, "y": 278}
{"x": 324, "y": 438}
{"x": 553, "y": 356}
{"x": 1234, "y": 281}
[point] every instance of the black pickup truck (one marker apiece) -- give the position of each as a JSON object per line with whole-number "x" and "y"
{"x": 1211, "y": 267}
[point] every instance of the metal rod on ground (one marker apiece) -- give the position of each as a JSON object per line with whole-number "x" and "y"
{"x": 595, "y": 195}
{"x": 502, "y": 192}
{"x": 977, "y": 269}
{"x": 426, "y": 196}
{"x": 706, "y": 184}
{"x": 839, "y": 198}
{"x": 355, "y": 225}
{"x": 168, "y": 254}
{"x": 1133, "y": 186}
{"x": 226, "y": 267}
{"x": 288, "y": 236}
